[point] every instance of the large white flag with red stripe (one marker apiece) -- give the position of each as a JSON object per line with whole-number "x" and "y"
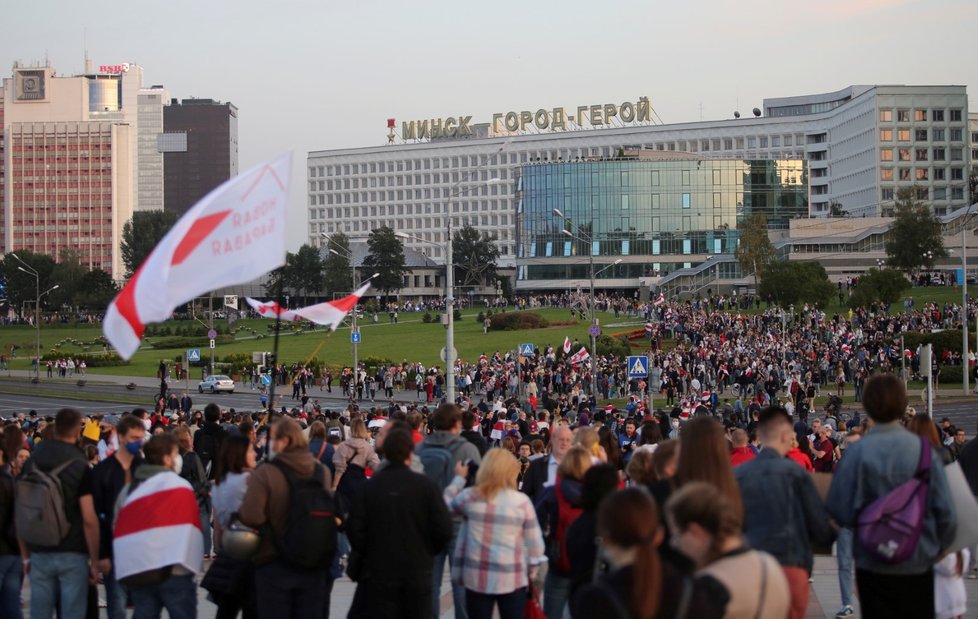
{"x": 567, "y": 345}
{"x": 330, "y": 313}
{"x": 580, "y": 357}
{"x": 158, "y": 525}
{"x": 234, "y": 235}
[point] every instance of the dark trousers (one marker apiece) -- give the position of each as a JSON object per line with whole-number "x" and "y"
{"x": 397, "y": 601}
{"x": 895, "y": 595}
{"x": 284, "y": 592}
{"x": 480, "y": 605}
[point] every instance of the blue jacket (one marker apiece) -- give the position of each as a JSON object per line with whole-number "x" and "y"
{"x": 782, "y": 510}
{"x": 885, "y": 458}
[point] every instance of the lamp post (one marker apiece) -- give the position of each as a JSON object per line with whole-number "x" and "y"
{"x": 26, "y": 268}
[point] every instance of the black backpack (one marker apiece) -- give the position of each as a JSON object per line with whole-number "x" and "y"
{"x": 309, "y": 538}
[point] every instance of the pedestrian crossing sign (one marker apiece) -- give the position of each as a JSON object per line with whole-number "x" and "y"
{"x": 638, "y": 366}
{"x": 266, "y": 379}
{"x": 193, "y": 354}
{"x": 526, "y": 350}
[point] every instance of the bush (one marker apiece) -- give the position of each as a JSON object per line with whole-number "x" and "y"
{"x": 480, "y": 317}
{"x": 457, "y": 314}
{"x": 877, "y": 286}
{"x": 941, "y": 340}
{"x": 793, "y": 282}
{"x": 615, "y": 346}
{"x": 426, "y": 318}
{"x": 950, "y": 374}
{"x": 518, "y": 320}
{"x": 96, "y": 360}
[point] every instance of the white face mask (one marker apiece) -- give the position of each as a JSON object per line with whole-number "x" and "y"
{"x": 178, "y": 464}
{"x": 675, "y": 424}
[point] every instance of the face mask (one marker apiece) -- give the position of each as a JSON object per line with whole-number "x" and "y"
{"x": 134, "y": 447}
{"x": 178, "y": 464}
{"x": 675, "y": 424}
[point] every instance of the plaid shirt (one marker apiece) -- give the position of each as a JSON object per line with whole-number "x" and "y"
{"x": 498, "y": 542}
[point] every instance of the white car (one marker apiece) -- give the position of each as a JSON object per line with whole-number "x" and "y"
{"x": 215, "y": 383}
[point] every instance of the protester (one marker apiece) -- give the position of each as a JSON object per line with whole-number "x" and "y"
{"x": 398, "y": 525}
{"x": 950, "y": 596}
{"x": 500, "y": 548}
{"x": 843, "y": 550}
{"x": 887, "y": 456}
{"x": 350, "y": 461}
{"x": 543, "y": 471}
{"x": 740, "y": 451}
{"x": 782, "y": 510}
{"x": 157, "y": 541}
{"x": 60, "y": 573}
{"x": 193, "y": 471}
{"x": 207, "y": 440}
{"x": 109, "y": 477}
{"x": 236, "y": 592}
{"x": 743, "y": 582}
{"x": 282, "y": 588}
{"x": 582, "y": 551}
{"x": 11, "y": 570}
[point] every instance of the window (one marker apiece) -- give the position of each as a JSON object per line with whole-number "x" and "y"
{"x": 937, "y": 115}
{"x": 923, "y": 193}
{"x": 886, "y": 135}
{"x": 788, "y": 140}
{"x": 776, "y": 140}
{"x": 764, "y": 141}
{"x": 728, "y": 144}
{"x": 886, "y": 193}
{"x": 686, "y": 203}
{"x": 624, "y": 201}
{"x": 939, "y": 174}
{"x": 595, "y": 248}
{"x": 957, "y": 193}
{"x": 957, "y": 174}
{"x": 655, "y": 177}
{"x": 940, "y": 193}
{"x": 974, "y": 137}
{"x": 955, "y": 116}
{"x": 904, "y": 154}
{"x": 920, "y": 115}
{"x": 716, "y": 177}
{"x": 567, "y": 248}
{"x": 939, "y": 154}
{"x": 920, "y": 154}
{"x": 937, "y": 135}
{"x": 957, "y": 154}
{"x": 656, "y": 247}
{"x": 655, "y": 200}
{"x": 685, "y": 177}
{"x": 886, "y": 154}
{"x": 625, "y": 247}
{"x": 751, "y": 142}
{"x": 687, "y": 246}
{"x": 920, "y": 135}
{"x": 904, "y": 174}
{"x": 921, "y": 174}
{"x": 717, "y": 199}
{"x": 886, "y": 116}
{"x": 903, "y": 135}
{"x": 956, "y": 135}
{"x": 886, "y": 174}
{"x": 903, "y": 116}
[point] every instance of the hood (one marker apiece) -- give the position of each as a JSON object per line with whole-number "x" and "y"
{"x": 441, "y": 438}
{"x": 299, "y": 460}
{"x": 572, "y": 490}
{"x": 145, "y": 471}
{"x": 49, "y": 454}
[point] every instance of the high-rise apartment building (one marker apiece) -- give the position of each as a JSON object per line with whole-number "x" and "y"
{"x": 150, "y": 174}
{"x": 200, "y": 149}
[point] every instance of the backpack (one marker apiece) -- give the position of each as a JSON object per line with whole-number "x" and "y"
{"x": 39, "y": 510}
{"x": 889, "y": 527}
{"x": 439, "y": 462}
{"x": 309, "y": 538}
{"x": 206, "y": 450}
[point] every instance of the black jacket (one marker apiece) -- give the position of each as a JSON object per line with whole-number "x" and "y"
{"x": 968, "y": 459}
{"x": 108, "y": 480}
{"x": 535, "y": 478}
{"x": 476, "y": 439}
{"x": 398, "y": 524}
{"x": 207, "y": 444}
{"x": 782, "y": 510}
{"x": 582, "y": 549}
{"x": 594, "y": 601}
{"x": 76, "y": 481}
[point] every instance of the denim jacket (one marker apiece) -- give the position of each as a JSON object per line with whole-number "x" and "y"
{"x": 782, "y": 510}
{"x": 885, "y": 458}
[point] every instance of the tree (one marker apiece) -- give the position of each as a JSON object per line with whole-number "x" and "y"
{"x": 96, "y": 291}
{"x": 386, "y": 257}
{"x": 474, "y": 256}
{"x": 755, "y": 250}
{"x": 914, "y": 233}
{"x": 879, "y": 286}
{"x": 791, "y": 282}
{"x": 336, "y": 267}
{"x": 141, "y": 234}
{"x": 67, "y": 274}
{"x": 304, "y": 271}
{"x": 21, "y": 286}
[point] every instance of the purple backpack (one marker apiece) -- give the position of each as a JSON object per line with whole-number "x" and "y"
{"x": 889, "y": 527}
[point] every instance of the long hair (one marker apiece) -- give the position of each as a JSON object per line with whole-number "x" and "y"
{"x": 498, "y": 471}
{"x": 704, "y": 504}
{"x": 922, "y": 425}
{"x": 630, "y": 519}
{"x": 704, "y": 455}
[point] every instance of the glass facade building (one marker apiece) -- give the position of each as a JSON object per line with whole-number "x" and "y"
{"x": 655, "y": 215}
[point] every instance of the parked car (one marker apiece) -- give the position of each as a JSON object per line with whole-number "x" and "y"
{"x": 215, "y": 383}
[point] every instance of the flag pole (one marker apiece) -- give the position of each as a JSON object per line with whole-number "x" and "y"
{"x": 278, "y": 325}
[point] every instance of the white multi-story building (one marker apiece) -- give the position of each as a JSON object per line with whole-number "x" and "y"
{"x": 150, "y": 117}
{"x": 863, "y": 143}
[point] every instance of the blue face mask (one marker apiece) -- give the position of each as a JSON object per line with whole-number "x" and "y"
{"x": 134, "y": 447}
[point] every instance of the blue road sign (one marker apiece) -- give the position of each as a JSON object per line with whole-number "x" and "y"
{"x": 526, "y": 349}
{"x": 193, "y": 354}
{"x": 638, "y": 366}
{"x": 355, "y": 337}
{"x": 266, "y": 379}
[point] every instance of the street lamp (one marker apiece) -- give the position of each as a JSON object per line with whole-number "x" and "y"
{"x": 348, "y": 254}
{"x": 26, "y": 268}
{"x": 879, "y": 263}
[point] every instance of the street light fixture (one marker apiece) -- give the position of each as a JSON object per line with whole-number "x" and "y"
{"x": 37, "y": 311}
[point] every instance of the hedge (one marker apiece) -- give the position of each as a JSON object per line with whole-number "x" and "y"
{"x": 941, "y": 340}
{"x": 186, "y": 342}
{"x": 515, "y": 321}
{"x": 92, "y": 360}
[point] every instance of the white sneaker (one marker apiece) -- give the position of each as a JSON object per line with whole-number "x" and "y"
{"x": 845, "y": 611}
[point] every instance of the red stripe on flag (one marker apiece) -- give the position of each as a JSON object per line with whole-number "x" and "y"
{"x": 199, "y": 231}
{"x": 166, "y": 508}
{"x": 261, "y": 174}
{"x": 125, "y": 303}
{"x": 346, "y": 303}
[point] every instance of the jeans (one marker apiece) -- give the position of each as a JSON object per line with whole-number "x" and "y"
{"x": 458, "y": 591}
{"x": 843, "y": 555}
{"x": 284, "y": 592}
{"x": 11, "y": 576}
{"x": 177, "y": 594}
{"x": 556, "y": 591}
{"x": 205, "y": 525}
{"x": 115, "y": 596}
{"x": 55, "y": 574}
{"x": 511, "y": 605}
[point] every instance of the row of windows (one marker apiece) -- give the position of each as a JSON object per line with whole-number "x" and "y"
{"x": 920, "y": 174}
{"x": 417, "y": 179}
{"x": 924, "y": 193}
{"x": 903, "y": 134}
{"x": 922, "y": 154}
{"x": 903, "y": 115}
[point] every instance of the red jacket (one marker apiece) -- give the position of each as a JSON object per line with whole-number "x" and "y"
{"x": 801, "y": 458}
{"x": 739, "y": 455}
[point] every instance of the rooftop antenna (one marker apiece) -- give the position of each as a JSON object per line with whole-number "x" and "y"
{"x": 88, "y": 63}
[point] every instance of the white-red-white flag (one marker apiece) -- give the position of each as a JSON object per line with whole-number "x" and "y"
{"x": 659, "y": 300}
{"x": 271, "y": 309}
{"x": 567, "y": 345}
{"x": 580, "y": 357}
{"x": 332, "y": 313}
{"x": 233, "y": 235}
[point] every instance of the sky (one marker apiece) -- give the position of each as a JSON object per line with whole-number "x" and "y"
{"x": 319, "y": 74}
